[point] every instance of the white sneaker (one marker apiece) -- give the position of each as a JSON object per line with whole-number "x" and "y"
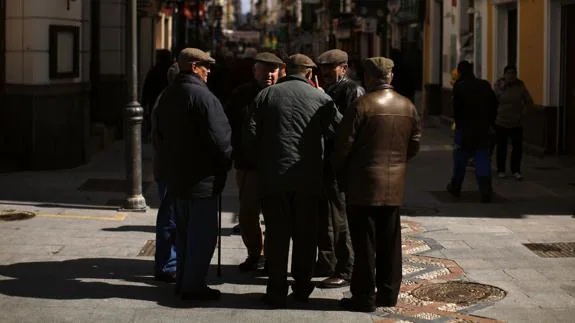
{"x": 518, "y": 176}
{"x": 501, "y": 175}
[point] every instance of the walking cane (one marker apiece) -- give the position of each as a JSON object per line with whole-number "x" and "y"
{"x": 220, "y": 235}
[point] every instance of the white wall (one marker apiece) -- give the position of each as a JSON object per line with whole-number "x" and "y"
{"x": 27, "y": 38}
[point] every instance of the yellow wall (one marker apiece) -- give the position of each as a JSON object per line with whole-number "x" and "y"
{"x": 531, "y": 46}
{"x": 489, "y": 46}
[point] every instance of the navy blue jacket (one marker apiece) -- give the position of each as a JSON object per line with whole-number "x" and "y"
{"x": 192, "y": 138}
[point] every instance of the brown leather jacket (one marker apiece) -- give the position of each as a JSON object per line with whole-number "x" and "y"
{"x": 376, "y": 138}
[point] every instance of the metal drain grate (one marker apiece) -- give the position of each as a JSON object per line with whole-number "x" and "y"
{"x": 459, "y": 292}
{"x": 149, "y": 249}
{"x": 552, "y": 250}
{"x": 108, "y": 185}
{"x": 13, "y": 215}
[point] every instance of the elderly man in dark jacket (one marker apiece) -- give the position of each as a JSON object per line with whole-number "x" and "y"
{"x": 194, "y": 155}
{"x": 287, "y": 127}
{"x": 265, "y": 71}
{"x": 474, "y": 113}
{"x": 376, "y": 138}
{"x": 335, "y": 258}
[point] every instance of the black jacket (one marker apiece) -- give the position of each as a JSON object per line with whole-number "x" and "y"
{"x": 474, "y": 111}
{"x": 192, "y": 139}
{"x": 287, "y": 125}
{"x": 344, "y": 93}
{"x": 236, "y": 108}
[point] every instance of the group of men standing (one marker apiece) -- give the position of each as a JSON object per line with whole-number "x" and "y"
{"x": 326, "y": 167}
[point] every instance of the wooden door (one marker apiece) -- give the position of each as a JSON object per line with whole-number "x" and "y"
{"x": 568, "y": 21}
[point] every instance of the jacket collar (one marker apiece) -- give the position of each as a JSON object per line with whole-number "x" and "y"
{"x": 380, "y": 87}
{"x": 295, "y": 78}
{"x": 189, "y": 77}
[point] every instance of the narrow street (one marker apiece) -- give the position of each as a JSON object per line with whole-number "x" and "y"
{"x": 78, "y": 259}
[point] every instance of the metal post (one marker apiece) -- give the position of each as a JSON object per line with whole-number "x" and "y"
{"x": 133, "y": 117}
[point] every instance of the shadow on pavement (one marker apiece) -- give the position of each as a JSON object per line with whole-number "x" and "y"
{"x": 105, "y": 278}
{"x": 152, "y": 229}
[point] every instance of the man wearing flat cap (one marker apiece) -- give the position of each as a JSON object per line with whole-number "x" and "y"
{"x": 288, "y": 123}
{"x": 379, "y": 133}
{"x": 192, "y": 137}
{"x": 265, "y": 73}
{"x": 335, "y": 257}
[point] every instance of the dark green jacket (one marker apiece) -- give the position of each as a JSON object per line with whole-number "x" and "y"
{"x": 287, "y": 125}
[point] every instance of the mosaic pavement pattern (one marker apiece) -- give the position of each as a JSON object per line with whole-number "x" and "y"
{"x": 420, "y": 270}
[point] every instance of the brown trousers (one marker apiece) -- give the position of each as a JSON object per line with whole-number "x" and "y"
{"x": 250, "y": 208}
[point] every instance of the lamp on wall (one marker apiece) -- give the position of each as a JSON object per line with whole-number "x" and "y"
{"x": 68, "y": 4}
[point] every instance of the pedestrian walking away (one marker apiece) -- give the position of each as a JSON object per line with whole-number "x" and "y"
{"x": 194, "y": 148}
{"x": 335, "y": 254}
{"x": 474, "y": 112}
{"x": 379, "y": 133}
{"x": 287, "y": 125}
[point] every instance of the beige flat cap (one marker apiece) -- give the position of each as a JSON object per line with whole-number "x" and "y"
{"x": 192, "y": 55}
{"x": 300, "y": 60}
{"x": 332, "y": 57}
{"x": 380, "y": 66}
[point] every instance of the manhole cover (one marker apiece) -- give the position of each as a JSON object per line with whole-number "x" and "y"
{"x": 552, "y": 250}
{"x": 13, "y": 215}
{"x": 149, "y": 249}
{"x": 460, "y": 293}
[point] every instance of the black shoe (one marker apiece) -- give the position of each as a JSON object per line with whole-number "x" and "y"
{"x": 384, "y": 301}
{"x": 354, "y": 306}
{"x": 333, "y": 282}
{"x": 274, "y": 301}
{"x": 486, "y": 198}
{"x": 300, "y": 298}
{"x": 252, "y": 263}
{"x": 454, "y": 192}
{"x": 236, "y": 229}
{"x": 205, "y": 294}
{"x": 169, "y": 277}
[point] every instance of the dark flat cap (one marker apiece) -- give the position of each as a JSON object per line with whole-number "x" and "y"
{"x": 331, "y": 57}
{"x": 268, "y": 58}
{"x": 300, "y": 60}
{"x": 380, "y": 66}
{"x": 190, "y": 55}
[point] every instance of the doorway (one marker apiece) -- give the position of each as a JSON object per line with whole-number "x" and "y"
{"x": 506, "y": 19}
{"x": 2, "y": 44}
{"x": 512, "y": 36}
{"x": 568, "y": 74}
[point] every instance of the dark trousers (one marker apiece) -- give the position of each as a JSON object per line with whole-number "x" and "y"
{"x": 376, "y": 239}
{"x": 335, "y": 255}
{"x": 165, "y": 255}
{"x": 482, "y": 169}
{"x": 290, "y": 215}
{"x": 197, "y": 233}
{"x": 503, "y": 136}
{"x": 249, "y": 215}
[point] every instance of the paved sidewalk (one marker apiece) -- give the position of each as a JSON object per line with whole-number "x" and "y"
{"x": 78, "y": 259}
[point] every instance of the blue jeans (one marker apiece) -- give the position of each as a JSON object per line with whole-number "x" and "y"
{"x": 197, "y": 235}
{"x": 165, "y": 257}
{"x": 482, "y": 165}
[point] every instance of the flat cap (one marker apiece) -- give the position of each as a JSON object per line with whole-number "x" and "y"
{"x": 190, "y": 55}
{"x": 300, "y": 60}
{"x": 268, "y": 58}
{"x": 380, "y": 66}
{"x": 332, "y": 56}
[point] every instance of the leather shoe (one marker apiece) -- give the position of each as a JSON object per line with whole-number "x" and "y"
{"x": 205, "y": 294}
{"x": 333, "y": 282}
{"x": 352, "y": 305}
{"x": 252, "y": 263}
{"x": 274, "y": 302}
{"x": 169, "y": 277}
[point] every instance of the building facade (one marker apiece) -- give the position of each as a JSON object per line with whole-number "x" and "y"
{"x": 537, "y": 36}
{"x": 63, "y": 77}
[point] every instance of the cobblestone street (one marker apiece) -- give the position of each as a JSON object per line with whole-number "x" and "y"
{"x": 78, "y": 259}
